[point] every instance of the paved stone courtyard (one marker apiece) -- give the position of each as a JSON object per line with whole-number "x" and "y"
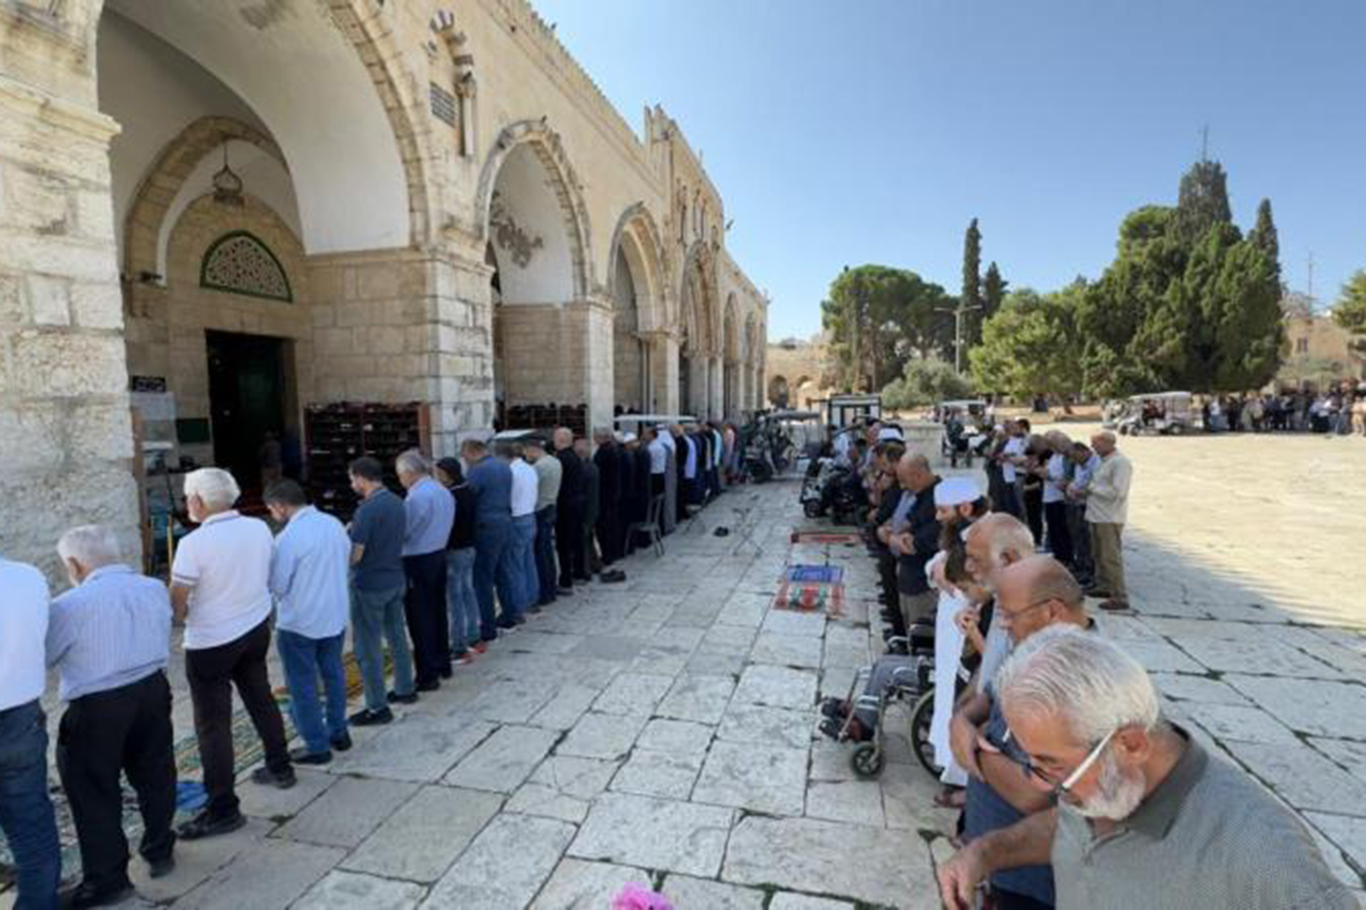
{"x": 662, "y": 731}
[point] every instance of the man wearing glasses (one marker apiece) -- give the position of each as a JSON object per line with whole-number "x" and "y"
{"x": 1145, "y": 817}
{"x": 1032, "y": 594}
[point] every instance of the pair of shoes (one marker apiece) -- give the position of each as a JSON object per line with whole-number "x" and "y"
{"x": 161, "y": 866}
{"x": 394, "y": 698}
{"x": 205, "y": 825}
{"x": 613, "y": 577}
{"x": 302, "y": 756}
{"x": 462, "y": 660}
{"x": 281, "y": 780}
{"x": 1115, "y": 606}
{"x": 87, "y": 895}
{"x": 447, "y": 672}
{"x": 479, "y": 647}
{"x": 535, "y": 608}
{"x": 367, "y": 718}
{"x": 564, "y": 591}
{"x": 430, "y": 685}
{"x": 1097, "y": 592}
{"x": 835, "y": 707}
{"x": 341, "y": 743}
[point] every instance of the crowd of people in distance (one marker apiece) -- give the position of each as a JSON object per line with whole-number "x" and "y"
{"x": 1339, "y": 411}
{"x": 1073, "y": 789}
{"x": 436, "y": 576}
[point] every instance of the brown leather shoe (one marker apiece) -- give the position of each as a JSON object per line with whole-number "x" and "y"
{"x": 1115, "y": 606}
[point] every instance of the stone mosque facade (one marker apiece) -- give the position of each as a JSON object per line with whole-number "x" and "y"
{"x": 306, "y": 202}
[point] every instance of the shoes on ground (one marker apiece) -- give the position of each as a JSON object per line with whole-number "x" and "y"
{"x": 394, "y": 698}
{"x": 87, "y": 895}
{"x": 479, "y": 647}
{"x": 302, "y": 756}
{"x": 341, "y": 743}
{"x": 1114, "y": 606}
{"x": 162, "y": 866}
{"x": 367, "y": 718}
{"x": 430, "y": 685}
{"x": 835, "y": 707}
{"x": 205, "y": 825}
{"x": 564, "y": 590}
{"x": 281, "y": 780}
{"x": 1098, "y": 592}
{"x": 462, "y": 660}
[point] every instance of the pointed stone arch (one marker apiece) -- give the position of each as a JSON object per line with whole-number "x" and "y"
{"x": 548, "y": 148}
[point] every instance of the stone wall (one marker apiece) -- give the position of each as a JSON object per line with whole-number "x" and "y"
{"x": 65, "y": 428}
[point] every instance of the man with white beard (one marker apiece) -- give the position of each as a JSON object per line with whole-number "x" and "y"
{"x": 1144, "y": 816}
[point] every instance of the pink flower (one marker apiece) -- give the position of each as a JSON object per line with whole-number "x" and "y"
{"x": 638, "y": 897}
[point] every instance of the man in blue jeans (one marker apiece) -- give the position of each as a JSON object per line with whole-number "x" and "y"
{"x": 521, "y": 558}
{"x": 377, "y": 588}
{"x": 491, "y": 480}
{"x": 308, "y": 577}
{"x": 25, "y": 810}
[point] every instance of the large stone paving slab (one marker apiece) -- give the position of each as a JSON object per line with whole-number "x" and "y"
{"x": 633, "y": 693}
{"x": 677, "y": 736}
{"x": 702, "y": 699}
{"x": 347, "y": 813}
{"x": 425, "y": 835}
{"x": 269, "y": 876}
{"x": 418, "y": 747}
{"x": 604, "y": 736}
{"x": 503, "y": 761}
{"x": 1301, "y": 776}
{"x": 876, "y": 865}
{"x": 582, "y": 778}
{"x": 747, "y": 723}
{"x": 505, "y": 866}
{"x": 1319, "y": 708}
{"x": 779, "y": 687}
{"x": 787, "y": 650}
{"x": 655, "y": 834}
{"x": 580, "y": 885}
{"x": 666, "y": 774}
{"x": 685, "y": 892}
{"x": 1265, "y": 655}
{"x": 352, "y": 891}
{"x": 753, "y": 776}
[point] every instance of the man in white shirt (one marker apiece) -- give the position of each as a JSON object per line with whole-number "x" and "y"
{"x": 1011, "y": 455}
{"x": 26, "y": 815}
{"x": 220, "y": 589}
{"x": 308, "y": 576}
{"x": 1055, "y": 470}
{"x": 108, "y": 638}
{"x": 521, "y": 554}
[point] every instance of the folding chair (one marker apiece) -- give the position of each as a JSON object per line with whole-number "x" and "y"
{"x": 652, "y": 526}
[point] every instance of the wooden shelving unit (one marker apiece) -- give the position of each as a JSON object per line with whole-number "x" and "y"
{"x": 336, "y": 434}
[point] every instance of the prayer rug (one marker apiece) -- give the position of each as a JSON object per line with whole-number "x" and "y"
{"x": 808, "y": 589}
{"x": 833, "y": 538}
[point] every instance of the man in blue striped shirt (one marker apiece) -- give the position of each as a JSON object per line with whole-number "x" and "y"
{"x": 309, "y": 573}
{"x": 109, "y": 640}
{"x": 430, "y": 512}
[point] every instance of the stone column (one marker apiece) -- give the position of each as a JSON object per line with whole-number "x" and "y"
{"x": 597, "y": 368}
{"x": 699, "y": 386}
{"x": 715, "y": 389}
{"x": 663, "y": 373}
{"x": 65, "y": 425}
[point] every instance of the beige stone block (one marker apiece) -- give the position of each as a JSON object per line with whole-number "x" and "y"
{"x": 378, "y": 282}
{"x": 29, "y": 252}
{"x": 332, "y": 342}
{"x": 35, "y": 200}
{"x": 95, "y": 214}
{"x": 325, "y": 283}
{"x": 97, "y": 306}
{"x": 11, "y": 300}
{"x": 382, "y": 340}
{"x": 58, "y": 364}
{"x": 322, "y": 314}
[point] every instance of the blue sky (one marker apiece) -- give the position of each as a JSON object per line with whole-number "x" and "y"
{"x": 843, "y": 133}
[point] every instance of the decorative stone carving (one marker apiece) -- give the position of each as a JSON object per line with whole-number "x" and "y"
{"x": 509, "y": 235}
{"x": 239, "y": 263}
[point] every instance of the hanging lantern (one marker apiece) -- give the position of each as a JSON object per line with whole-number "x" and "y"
{"x": 227, "y": 186}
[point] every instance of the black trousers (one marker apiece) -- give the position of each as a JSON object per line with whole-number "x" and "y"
{"x": 569, "y": 543}
{"x": 1059, "y": 532}
{"x": 609, "y": 530}
{"x": 124, "y": 730}
{"x": 1010, "y": 900}
{"x": 424, "y": 606}
{"x": 1033, "y": 513}
{"x": 212, "y": 674}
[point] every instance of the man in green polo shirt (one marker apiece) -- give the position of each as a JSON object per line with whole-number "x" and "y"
{"x": 1145, "y": 817}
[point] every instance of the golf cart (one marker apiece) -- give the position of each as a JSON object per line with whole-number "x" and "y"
{"x": 1158, "y": 413}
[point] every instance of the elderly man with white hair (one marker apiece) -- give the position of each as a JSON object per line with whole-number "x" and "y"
{"x": 109, "y": 640}
{"x": 430, "y": 512}
{"x": 220, "y": 587}
{"x": 26, "y": 817}
{"x": 1144, "y": 816}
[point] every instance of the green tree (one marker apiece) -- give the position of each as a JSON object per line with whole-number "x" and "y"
{"x": 970, "y": 299}
{"x": 1030, "y": 345}
{"x": 993, "y": 291}
{"x": 877, "y": 317}
{"x": 925, "y": 381}
{"x": 1265, "y": 237}
{"x": 1350, "y": 311}
{"x": 1203, "y": 200}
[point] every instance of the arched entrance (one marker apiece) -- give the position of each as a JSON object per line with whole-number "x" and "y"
{"x": 635, "y": 286}
{"x": 778, "y": 392}
{"x": 540, "y": 315}
{"x": 698, "y": 336}
{"x": 730, "y": 377}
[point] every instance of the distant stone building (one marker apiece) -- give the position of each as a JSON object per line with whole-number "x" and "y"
{"x": 234, "y": 209}
{"x": 796, "y": 372}
{"x": 1320, "y": 351}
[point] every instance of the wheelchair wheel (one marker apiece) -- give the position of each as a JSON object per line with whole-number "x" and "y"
{"x": 921, "y": 718}
{"x": 867, "y": 760}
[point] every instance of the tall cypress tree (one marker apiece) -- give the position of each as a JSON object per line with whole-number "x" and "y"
{"x": 971, "y": 298}
{"x": 993, "y": 291}
{"x": 1265, "y": 238}
{"x": 1203, "y": 200}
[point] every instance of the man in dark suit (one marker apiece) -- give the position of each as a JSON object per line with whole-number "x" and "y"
{"x": 610, "y": 492}
{"x": 569, "y": 511}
